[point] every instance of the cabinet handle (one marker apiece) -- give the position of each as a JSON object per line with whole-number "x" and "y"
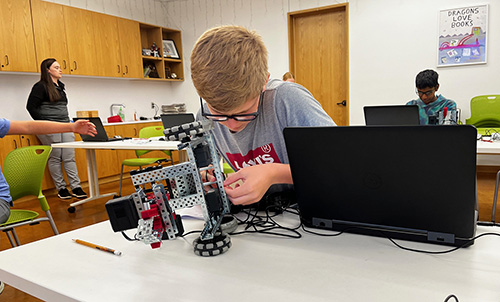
{"x": 126, "y": 69}
{"x": 7, "y": 60}
{"x": 75, "y": 65}
{"x": 135, "y": 132}
{"x": 29, "y": 143}
{"x": 15, "y": 144}
{"x": 118, "y": 68}
{"x": 64, "y": 61}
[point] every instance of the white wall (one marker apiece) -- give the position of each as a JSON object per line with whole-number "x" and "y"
{"x": 390, "y": 41}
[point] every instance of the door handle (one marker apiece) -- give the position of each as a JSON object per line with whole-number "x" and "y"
{"x": 343, "y": 103}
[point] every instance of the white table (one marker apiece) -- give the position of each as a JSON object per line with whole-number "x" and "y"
{"x": 256, "y": 268}
{"x": 90, "y": 148}
{"x": 488, "y": 148}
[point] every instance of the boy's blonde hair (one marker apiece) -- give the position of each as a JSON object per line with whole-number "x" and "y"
{"x": 229, "y": 66}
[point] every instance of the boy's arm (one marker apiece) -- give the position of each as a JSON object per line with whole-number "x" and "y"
{"x": 47, "y": 127}
{"x": 249, "y": 184}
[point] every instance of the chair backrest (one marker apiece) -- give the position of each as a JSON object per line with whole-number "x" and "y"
{"x": 24, "y": 169}
{"x": 485, "y": 111}
{"x": 148, "y": 132}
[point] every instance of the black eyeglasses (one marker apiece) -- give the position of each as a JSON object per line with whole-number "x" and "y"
{"x": 237, "y": 117}
{"x": 426, "y": 93}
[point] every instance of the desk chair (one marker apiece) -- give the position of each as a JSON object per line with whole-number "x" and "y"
{"x": 485, "y": 115}
{"x": 23, "y": 169}
{"x": 145, "y": 132}
{"x": 484, "y": 111}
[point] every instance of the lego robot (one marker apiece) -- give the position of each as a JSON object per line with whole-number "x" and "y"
{"x": 160, "y": 191}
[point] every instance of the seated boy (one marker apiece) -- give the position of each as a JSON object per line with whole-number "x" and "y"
{"x": 429, "y": 103}
{"x": 230, "y": 73}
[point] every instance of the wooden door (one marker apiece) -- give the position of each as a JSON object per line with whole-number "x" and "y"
{"x": 80, "y": 38}
{"x": 50, "y": 33}
{"x": 318, "y": 46}
{"x": 130, "y": 48}
{"x": 18, "y": 49}
{"x": 107, "y": 45}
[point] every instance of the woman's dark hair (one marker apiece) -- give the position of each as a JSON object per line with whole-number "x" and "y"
{"x": 46, "y": 80}
{"x": 427, "y": 79}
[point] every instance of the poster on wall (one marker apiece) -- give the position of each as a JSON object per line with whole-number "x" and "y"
{"x": 462, "y": 35}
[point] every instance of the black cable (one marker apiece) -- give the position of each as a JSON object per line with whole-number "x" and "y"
{"x": 128, "y": 238}
{"x": 439, "y": 252}
{"x": 451, "y": 296}
{"x": 265, "y": 224}
{"x": 189, "y": 233}
{"x": 322, "y": 234}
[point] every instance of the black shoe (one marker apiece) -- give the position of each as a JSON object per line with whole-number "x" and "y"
{"x": 64, "y": 194}
{"x": 79, "y": 193}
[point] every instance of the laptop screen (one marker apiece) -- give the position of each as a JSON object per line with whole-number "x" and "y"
{"x": 416, "y": 181}
{"x": 391, "y": 115}
{"x": 101, "y": 135}
{"x": 176, "y": 119}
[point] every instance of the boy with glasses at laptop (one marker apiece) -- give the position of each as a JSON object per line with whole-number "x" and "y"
{"x": 429, "y": 103}
{"x": 229, "y": 70}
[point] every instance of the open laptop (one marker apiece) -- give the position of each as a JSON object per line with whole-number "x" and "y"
{"x": 176, "y": 119}
{"x": 409, "y": 182}
{"x": 391, "y": 115}
{"x": 101, "y": 135}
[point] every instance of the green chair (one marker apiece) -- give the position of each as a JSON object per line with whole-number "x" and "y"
{"x": 485, "y": 115}
{"x": 226, "y": 168}
{"x": 485, "y": 111}
{"x": 23, "y": 170}
{"x": 145, "y": 132}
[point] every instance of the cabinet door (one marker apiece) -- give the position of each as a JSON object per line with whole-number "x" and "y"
{"x": 80, "y": 38}
{"x": 107, "y": 46}
{"x": 18, "y": 49}
{"x": 50, "y": 33}
{"x": 130, "y": 46}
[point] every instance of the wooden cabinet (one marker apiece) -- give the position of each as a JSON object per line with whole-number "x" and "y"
{"x": 83, "y": 42}
{"x": 107, "y": 45}
{"x": 50, "y": 34}
{"x": 130, "y": 48}
{"x": 17, "y": 46}
{"x": 80, "y": 38}
{"x": 164, "y": 68}
{"x": 173, "y": 65}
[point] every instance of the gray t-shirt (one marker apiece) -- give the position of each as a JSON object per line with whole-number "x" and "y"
{"x": 284, "y": 104}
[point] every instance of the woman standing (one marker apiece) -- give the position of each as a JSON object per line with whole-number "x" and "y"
{"x": 48, "y": 101}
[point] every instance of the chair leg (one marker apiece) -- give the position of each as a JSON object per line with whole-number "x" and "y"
{"x": 121, "y": 179}
{"x": 51, "y": 221}
{"x": 15, "y": 236}
{"x": 9, "y": 235}
{"x": 495, "y": 198}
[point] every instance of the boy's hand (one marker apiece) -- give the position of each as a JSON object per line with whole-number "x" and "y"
{"x": 249, "y": 184}
{"x": 84, "y": 127}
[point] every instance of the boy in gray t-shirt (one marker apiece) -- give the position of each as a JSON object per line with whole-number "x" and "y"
{"x": 229, "y": 71}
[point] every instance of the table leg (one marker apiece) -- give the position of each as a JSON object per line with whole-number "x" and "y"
{"x": 93, "y": 180}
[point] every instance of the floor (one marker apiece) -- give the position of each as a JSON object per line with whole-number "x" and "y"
{"x": 94, "y": 212}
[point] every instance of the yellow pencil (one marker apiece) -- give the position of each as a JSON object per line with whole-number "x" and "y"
{"x": 95, "y": 246}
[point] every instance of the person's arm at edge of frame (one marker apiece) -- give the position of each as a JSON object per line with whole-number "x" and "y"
{"x": 256, "y": 180}
{"x": 47, "y": 127}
